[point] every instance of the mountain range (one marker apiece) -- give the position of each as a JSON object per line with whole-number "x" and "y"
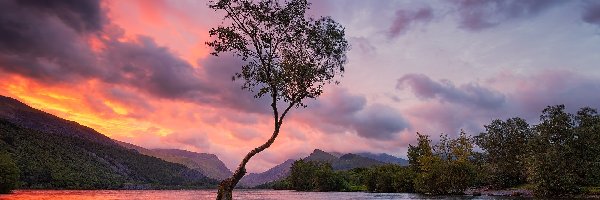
{"x": 338, "y": 161}
{"x": 207, "y": 164}
{"x": 56, "y": 153}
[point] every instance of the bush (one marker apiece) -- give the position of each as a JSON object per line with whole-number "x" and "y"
{"x": 9, "y": 173}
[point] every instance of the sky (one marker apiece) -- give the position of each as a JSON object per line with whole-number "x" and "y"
{"x": 139, "y": 71}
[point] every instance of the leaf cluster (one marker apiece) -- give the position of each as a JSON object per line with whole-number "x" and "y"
{"x": 287, "y": 55}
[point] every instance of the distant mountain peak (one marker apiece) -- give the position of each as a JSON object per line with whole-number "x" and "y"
{"x": 208, "y": 164}
{"x": 386, "y": 158}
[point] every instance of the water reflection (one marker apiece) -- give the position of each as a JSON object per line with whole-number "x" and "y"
{"x": 210, "y": 194}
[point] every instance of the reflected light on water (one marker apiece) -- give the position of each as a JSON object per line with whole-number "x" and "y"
{"x": 211, "y": 194}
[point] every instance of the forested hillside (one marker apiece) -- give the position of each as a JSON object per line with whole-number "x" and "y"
{"x": 50, "y": 152}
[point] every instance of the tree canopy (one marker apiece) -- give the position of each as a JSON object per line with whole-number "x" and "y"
{"x": 287, "y": 55}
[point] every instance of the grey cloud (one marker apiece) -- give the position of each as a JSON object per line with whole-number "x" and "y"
{"x": 468, "y": 94}
{"x": 477, "y": 15}
{"x": 146, "y": 66}
{"x": 81, "y": 15}
{"x": 218, "y": 72}
{"x": 341, "y": 111}
{"x": 405, "y": 18}
{"x": 527, "y": 97}
{"x": 591, "y": 14}
{"x": 47, "y": 43}
{"x": 379, "y": 122}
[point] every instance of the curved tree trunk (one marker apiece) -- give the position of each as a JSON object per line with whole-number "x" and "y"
{"x": 226, "y": 186}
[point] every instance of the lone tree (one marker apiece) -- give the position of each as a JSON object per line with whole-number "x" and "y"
{"x": 288, "y": 57}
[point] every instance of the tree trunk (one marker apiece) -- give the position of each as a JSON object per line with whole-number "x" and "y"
{"x": 226, "y": 186}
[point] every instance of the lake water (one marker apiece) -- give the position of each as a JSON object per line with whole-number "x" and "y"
{"x": 210, "y": 194}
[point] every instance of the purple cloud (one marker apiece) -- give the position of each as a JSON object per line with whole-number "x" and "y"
{"x": 341, "y": 111}
{"x": 45, "y": 39}
{"x": 468, "y": 106}
{"x": 445, "y": 91}
{"x": 534, "y": 92}
{"x": 405, "y": 18}
{"x": 477, "y": 15}
{"x": 591, "y": 14}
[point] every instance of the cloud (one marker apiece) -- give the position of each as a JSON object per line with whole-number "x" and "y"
{"x": 529, "y": 94}
{"x": 79, "y": 43}
{"x": 45, "y": 40}
{"x": 81, "y": 15}
{"x": 218, "y": 71}
{"x": 470, "y": 106}
{"x": 477, "y": 15}
{"x": 341, "y": 111}
{"x": 142, "y": 64}
{"x": 591, "y": 14}
{"x": 405, "y": 18}
{"x": 445, "y": 91}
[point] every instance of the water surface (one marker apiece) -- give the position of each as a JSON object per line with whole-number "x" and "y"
{"x": 210, "y": 194}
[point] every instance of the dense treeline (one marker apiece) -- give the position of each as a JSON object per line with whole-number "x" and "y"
{"x": 320, "y": 176}
{"x": 50, "y": 161}
{"x": 9, "y": 173}
{"x": 559, "y": 156}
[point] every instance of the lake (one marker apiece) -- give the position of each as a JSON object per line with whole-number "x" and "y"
{"x": 210, "y": 194}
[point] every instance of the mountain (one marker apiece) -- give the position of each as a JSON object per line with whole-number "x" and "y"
{"x": 207, "y": 164}
{"x": 320, "y": 155}
{"x": 338, "y": 161}
{"x": 278, "y": 172}
{"x": 344, "y": 162}
{"x": 386, "y": 158}
{"x": 53, "y": 153}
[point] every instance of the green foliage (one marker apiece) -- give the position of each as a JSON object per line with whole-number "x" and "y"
{"x": 52, "y": 161}
{"x": 449, "y": 169}
{"x": 552, "y": 167}
{"x": 423, "y": 148}
{"x": 587, "y": 147}
{"x": 505, "y": 145}
{"x": 287, "y": 55}
{"x": 389, "y": 178}
{"x": 315, "y": 176}
{"x": 9, "y": 173}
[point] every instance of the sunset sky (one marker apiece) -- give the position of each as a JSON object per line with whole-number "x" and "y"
{"x": 140, "y": 72}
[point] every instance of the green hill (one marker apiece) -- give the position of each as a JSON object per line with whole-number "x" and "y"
{"x": 53, "y": 153}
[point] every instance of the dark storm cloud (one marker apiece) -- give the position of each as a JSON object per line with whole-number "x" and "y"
{"x": 405, "y": 18}
{"x": 81, "y": 15}
{"x": 49, "y": 41}
{"x": 481, "y": 14}
{"x": 591, "y": 13}
{"x": 341, "y": 111}
{"x": 468, "y": 94}
{"x": 145, "y": 65}
{"x": 45, "y": 39}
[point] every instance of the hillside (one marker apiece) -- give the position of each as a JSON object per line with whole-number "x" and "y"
{"x": 278, "y": 172}
{"x": 386, "y": 158}
{"x": 344, "y": 162}
{"x": 54, "y": 153}
{"x": 338, "y": 161}
{"x": 207, "y": 164}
